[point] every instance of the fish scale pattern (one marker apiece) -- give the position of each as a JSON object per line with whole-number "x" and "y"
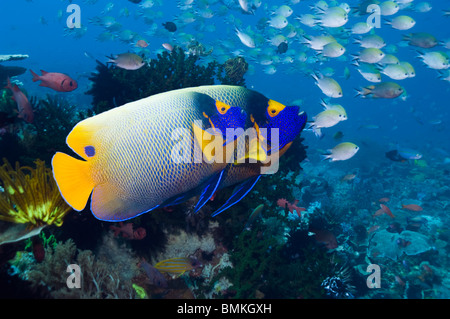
{"x": 138, "y": 144}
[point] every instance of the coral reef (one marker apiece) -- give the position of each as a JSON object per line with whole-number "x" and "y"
{"x": 13, "y": 57}
{"x": 7, "y": 104}
{"x": 98, "y": 278}
{"x": 10, "y": 71}
{"x": 183, "y": 244}
{"x": 392, "y": 245}
{"x": 169, "y": 71}
{"x": 53, "y": 120}
{"x": 252, "y": 258}
{"x": 128, "y": 231}
{"x": 10, "y": 233}
{"x": 235, "y": 69}
{"x": 114, "y": 86}
{"x": 275, "y": 259}
{"x": 31, "y": 196}
{"x": 339, "y": 285}
{"x": 196, "y": 48}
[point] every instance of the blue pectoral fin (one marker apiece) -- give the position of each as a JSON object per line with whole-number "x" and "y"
{"x": 181, "y": 198}
{"x": 177, "y": 199}
{"x": 206, "y": 190}
{"x": 209, "y": 190}
{"x": 238, "y": 194}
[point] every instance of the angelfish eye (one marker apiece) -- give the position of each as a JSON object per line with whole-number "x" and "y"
{"x": 89, "y": 150}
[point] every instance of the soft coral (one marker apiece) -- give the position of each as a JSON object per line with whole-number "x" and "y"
{"x": 282, "y": 202}
{"x": 128, "y": 231}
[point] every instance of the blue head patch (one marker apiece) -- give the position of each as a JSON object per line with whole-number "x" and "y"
{"x": 228, "y": 117}
{"x": 289, "y": 123}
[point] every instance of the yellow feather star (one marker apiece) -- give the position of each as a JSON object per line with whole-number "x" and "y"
{"x": 30, "y": 196}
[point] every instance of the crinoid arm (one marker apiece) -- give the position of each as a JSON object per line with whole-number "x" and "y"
{"x": 30, "y": 195}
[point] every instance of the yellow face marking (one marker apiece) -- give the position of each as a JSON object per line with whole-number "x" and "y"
{"x": 210, "y": 122}
{"x": 274, "y": 108}
{"x": 222, "y": 108}
{"x": 256, "y": 126}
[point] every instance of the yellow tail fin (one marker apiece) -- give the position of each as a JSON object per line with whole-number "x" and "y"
{"x": 73, "y": 179}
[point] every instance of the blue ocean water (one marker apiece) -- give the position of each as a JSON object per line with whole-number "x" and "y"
{"x": 417, "y": 120}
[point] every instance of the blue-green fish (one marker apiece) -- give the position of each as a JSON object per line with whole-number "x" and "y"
{"x": 255, "y": 213}
{"x": 407, "y": 153}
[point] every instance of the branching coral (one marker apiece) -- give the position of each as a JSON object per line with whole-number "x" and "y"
{"x": 30, "y": 196}
{"x": 182, "y": 244}
{"x": 252, "y": 258}
{"x": 235, "y": 70}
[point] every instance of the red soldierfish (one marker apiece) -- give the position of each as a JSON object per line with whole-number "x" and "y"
{"x": 57, "y": 81}
{"x": 24, "y": 106}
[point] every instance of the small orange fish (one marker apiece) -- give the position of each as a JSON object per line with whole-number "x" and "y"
{"x": 24, "y": 106}
{"x": 400, "y": 281}
{"x": 373, "y": 228}
{"x": 378, "y": 213}
{"x": 403, "y": 243}
{"x": 141, "y": 44}
{"x": 167, "y": 46}
{"x": 386, "y": 210}
{"x": 412, "y": 207}
{"x": 348, "y": 177}
{"x": 427, "y": 269}
{"x": 384, "y": 200}
{"x": 325, "y": 237}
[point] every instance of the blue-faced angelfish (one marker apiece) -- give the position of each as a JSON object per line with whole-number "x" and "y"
{"x": 275, "y": 126}
{"x": 281, "y": 125}
{"x": 131, "y": 154}
{"x": 128, "y": 154}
